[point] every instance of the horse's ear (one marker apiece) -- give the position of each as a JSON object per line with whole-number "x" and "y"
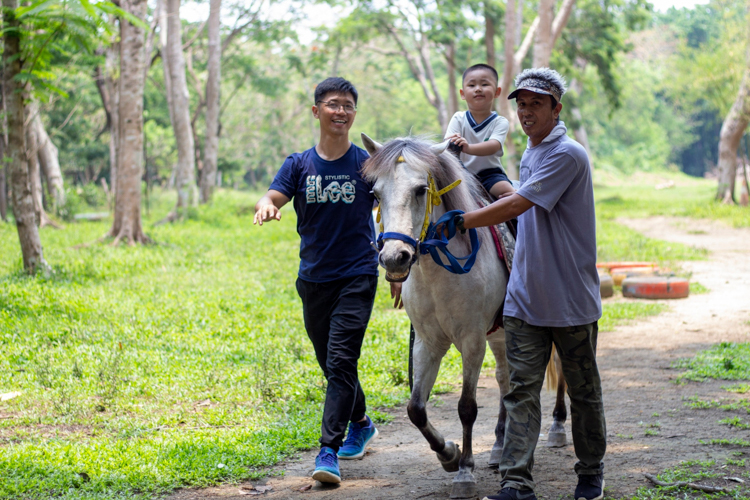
{"x": 437, "y": 149}
{"x": 370, "y": 145}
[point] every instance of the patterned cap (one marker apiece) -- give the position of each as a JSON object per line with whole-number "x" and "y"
{"x": 541, "y": 81}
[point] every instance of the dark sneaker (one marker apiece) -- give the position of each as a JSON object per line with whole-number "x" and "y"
{"x": 590, "y": 487}
{"x": 357, "y": 439}
{"x": 512, "y": 494}
{"x": 327, "y": 466}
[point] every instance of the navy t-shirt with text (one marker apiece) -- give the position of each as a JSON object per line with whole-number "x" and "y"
{"x": 334, "y": 214}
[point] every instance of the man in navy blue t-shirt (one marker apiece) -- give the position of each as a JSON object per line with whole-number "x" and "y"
{"x": 338, "y": 266}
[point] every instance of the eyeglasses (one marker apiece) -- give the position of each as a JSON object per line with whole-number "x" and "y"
{"x": 335, "y": 106}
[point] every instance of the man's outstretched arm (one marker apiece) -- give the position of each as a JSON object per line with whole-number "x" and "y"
{"x": 268, "y": 207}
{"x": 502, "y": 210}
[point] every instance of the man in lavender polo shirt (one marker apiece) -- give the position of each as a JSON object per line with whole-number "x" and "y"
{"x": 553, "y": 291}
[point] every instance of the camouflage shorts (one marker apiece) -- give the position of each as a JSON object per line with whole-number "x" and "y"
{"x": 528, "y": 349}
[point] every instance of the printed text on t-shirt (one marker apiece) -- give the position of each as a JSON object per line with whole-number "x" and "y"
{"x": 333, "y": 192}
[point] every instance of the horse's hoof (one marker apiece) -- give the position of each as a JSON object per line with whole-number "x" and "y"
{"x": 450, "y": 457}
{"x": 464, "y": 489}
{"x": 556, "y": 440}
{"x": 495, "y": 455}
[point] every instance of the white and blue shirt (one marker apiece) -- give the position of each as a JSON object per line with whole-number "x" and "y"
{"x": 495, "y": 127}
{"x": 334, "y": 214}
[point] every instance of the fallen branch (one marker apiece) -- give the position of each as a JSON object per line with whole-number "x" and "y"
{"x": 688, "y": 484}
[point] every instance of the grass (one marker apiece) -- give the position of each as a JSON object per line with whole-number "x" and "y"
{"x": 698, "y": 289}
{"x": 704, "y": 472}
{"x": 186, "y": 363}
{"x": 724, "y": 361}
{"x": 635, "y": 196}
{"x": 144, "y": 369}
{"x": 618, "y": 313}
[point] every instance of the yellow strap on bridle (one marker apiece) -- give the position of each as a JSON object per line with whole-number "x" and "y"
{"x": 433, "y": 200}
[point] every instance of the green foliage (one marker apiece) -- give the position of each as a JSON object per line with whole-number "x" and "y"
{"x": 645, "y": 133}
{"x": 698, "y": 289}
{"x": 698, "y": 76}
{"x": 728, "y": 442}
{"x": 699, "y": 404}
{"x": 701, "y": 86}
{"x": 735, "y": 422}
{"x": 725, "y": 361}
{"x": 60, "y": 28}
{"x": 707, "y": 472}
{"x": 596, "y": 34}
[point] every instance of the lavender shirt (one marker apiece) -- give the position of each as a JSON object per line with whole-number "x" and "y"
{"x": 554, "y": 280}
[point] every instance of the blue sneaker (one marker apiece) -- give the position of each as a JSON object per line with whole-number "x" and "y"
{"x": 327, "y": 466}
{"x": 357, "y": 439}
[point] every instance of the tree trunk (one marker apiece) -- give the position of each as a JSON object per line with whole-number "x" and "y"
{"x": 161, "y": 7}
{"x": 503, "y": 104}
{"x": 3, "y": 187}
{"x": 185, "y": 168}
{"x": 732, "y": 130}
{"x": 211, "y": 160}
{"x": 23, "y": 202}
{"x": 127, "y": 221}
{"x": 35, "y": 178}
{"x": 489, "y": 34}
{"x": 579, "y": 130}
{"x": 112, "y": 84}
{"x": 544, "y": 38}
{"x": 3, "y": 184}
{"x": 49, "y": 162}
{"x": 450, "y": 59}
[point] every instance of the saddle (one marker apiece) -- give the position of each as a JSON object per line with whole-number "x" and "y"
{"x": 504, "y": 237}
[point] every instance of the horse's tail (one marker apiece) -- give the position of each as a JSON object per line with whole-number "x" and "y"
{"x": 552, "y": 371}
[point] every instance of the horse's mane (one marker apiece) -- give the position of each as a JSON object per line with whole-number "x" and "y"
{"x": 445, "y": 169}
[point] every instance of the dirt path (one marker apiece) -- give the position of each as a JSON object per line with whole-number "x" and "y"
{"x": 635, "y": 368}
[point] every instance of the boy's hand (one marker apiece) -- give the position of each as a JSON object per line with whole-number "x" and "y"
{"x": 460, "y": 142}
{"x": 396, "y": 295}
{"x": 265, "y": 213}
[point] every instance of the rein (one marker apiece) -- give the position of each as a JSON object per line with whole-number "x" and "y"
{"x": 430, "y": 240}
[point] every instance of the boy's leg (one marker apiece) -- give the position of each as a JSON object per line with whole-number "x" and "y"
{"x": 499, "y": 189}
{"x": 528, "y": 349}
{"x": 344, "y": 396}
{"x": 577, "y": 348}
{"x": 494, "y": 181}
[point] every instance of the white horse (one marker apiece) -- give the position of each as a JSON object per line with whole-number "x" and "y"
{"x": 444, "y": 308}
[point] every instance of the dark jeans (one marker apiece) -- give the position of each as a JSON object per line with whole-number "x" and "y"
{"x": 528, "y": 349}
{"x": 336, "y": 315}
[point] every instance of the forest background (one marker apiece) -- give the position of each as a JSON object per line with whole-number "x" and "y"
{"x": 648, "y": 90}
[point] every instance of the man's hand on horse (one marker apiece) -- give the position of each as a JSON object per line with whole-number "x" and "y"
{"x": 266, "y": 213}
{"x": 396, "y": 295}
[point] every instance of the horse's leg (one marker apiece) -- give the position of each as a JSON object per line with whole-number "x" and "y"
{"x": 472, "y": 355}
{"x": 426, "y": 366}
{"x": 556, "y": 437}
{"x": 497, "y": 345}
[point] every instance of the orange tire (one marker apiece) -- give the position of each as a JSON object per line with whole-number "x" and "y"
{"x": 606, "y": 286}
{"x": 619, "y": 274}
{"x": 614, "y": 265}
{"x": 655, "y": 287}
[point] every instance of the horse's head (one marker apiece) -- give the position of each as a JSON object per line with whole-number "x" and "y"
{"x": 401, "y": 172}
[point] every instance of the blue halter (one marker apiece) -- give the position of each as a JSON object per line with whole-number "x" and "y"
{"x": 436, "y": 242}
